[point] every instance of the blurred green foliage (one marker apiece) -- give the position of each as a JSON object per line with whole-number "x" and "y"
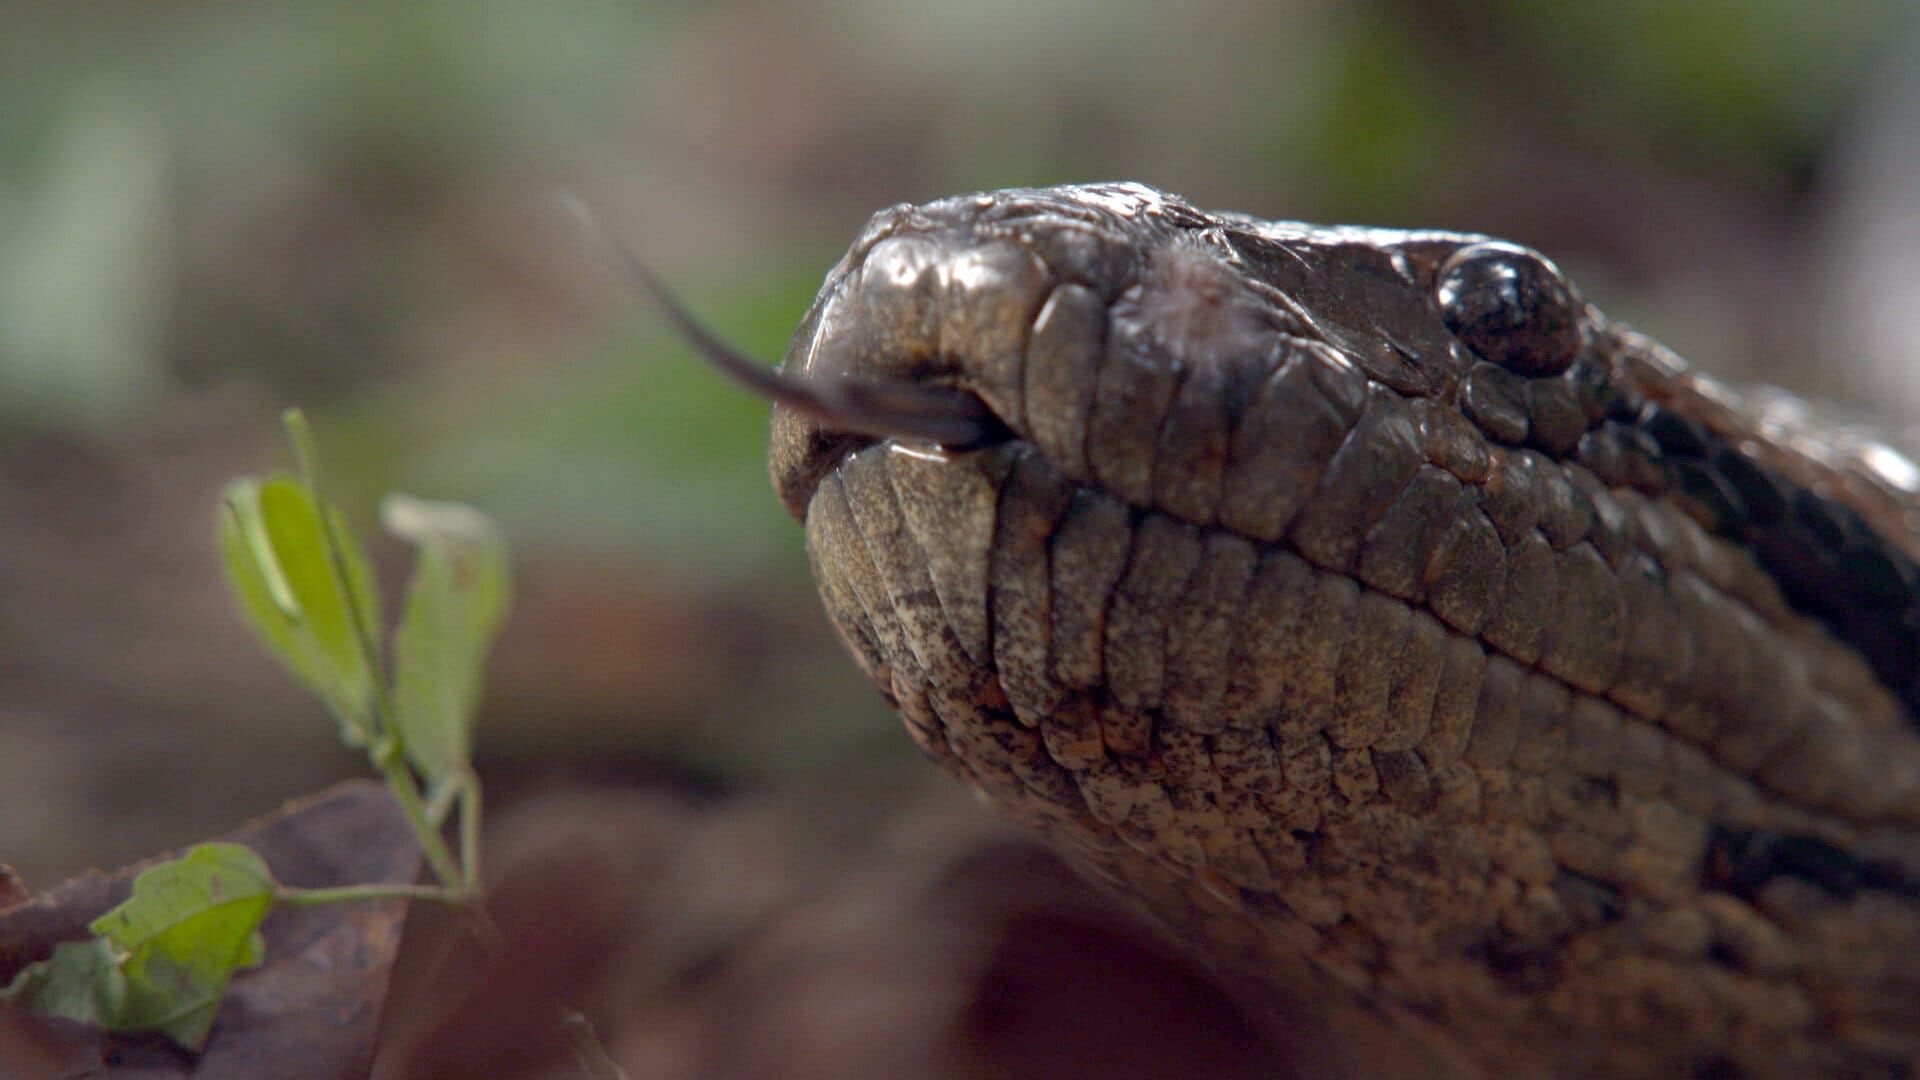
{"x": 635, "y": 443}
{"x": 148, "y": 152}
{"x": 1761, "y": 78}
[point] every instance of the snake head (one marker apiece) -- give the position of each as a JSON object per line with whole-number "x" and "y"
{"x": 1128, "y": 335}
{"x": 1366, "y": 596}
{"x": 1150, "y": 404}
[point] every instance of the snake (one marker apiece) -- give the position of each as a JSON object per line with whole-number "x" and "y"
{"x": 1382, "y": 618}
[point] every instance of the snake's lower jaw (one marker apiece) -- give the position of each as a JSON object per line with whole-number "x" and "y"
{"x": 1187, "y": 714}
{"x": 1087, "y": 666}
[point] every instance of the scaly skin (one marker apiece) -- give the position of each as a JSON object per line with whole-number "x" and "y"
{"x": 1373, "y": 627}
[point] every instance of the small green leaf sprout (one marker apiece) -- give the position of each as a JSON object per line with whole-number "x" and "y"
{"x": 162, "y": 959}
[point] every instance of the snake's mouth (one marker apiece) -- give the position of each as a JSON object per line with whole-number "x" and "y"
{"x": 828, "y": 411}
{"x": 828, "y": 419}
{"x": 950, "y": 417}
{"x": 920, "y": 342}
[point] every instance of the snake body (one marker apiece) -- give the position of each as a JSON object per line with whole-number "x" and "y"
{"x": 1378, "y": 613}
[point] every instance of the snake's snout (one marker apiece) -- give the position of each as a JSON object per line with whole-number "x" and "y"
{"x": 843, "y": 386}
{"x": 835, "y": 397}
{"x": 919, "y": 336}
{"x": 840, "y": 399}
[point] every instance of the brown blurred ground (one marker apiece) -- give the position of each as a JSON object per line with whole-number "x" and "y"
{"x": 793, "y": 937}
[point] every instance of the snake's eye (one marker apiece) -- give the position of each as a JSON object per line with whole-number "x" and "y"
{"x": 1512, "y": 307}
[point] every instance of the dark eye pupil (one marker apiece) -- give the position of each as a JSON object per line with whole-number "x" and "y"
{"x": 1511, "y": 308}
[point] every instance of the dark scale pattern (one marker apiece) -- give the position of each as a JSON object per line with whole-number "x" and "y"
{"x": 1743, "y": 861}
{"x": 1829, "y": 563}
{"x": 1554, "y": 411}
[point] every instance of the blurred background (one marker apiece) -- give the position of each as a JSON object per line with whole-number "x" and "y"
{"x": 210, "y": 211}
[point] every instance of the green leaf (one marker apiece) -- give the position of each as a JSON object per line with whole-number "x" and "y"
{"x": 455, "y": 604}
{"x": 81, "y": 981}
{"x": 189, "y": 925}
{"x": 255, "y": 952}
{"x": 301, "y": 593}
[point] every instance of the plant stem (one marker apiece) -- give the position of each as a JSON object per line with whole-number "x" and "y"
{"x": 470, "y": 830}
{"x": 308, "y": 897}
{"x": 440, "y": 797}
{"x": 390, "y": 752}
{"x": 400, "y": 780}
